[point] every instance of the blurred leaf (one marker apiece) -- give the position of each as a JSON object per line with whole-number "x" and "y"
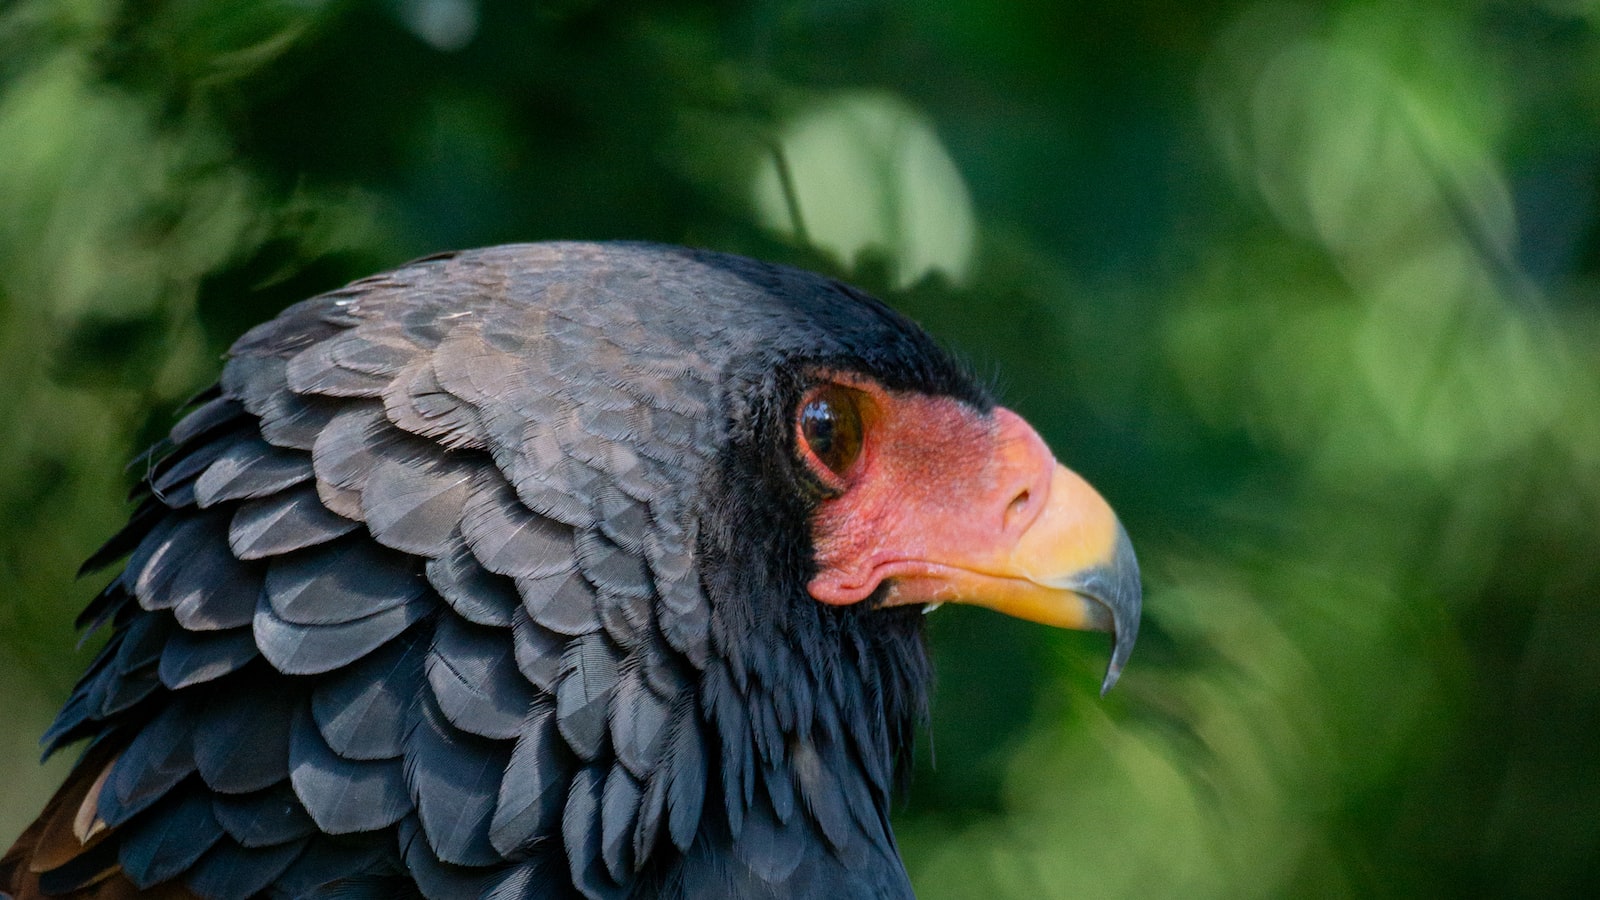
{"x": 858, "y": 172}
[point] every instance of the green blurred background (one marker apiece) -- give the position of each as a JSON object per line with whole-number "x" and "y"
{"x": 1308, "y": 290}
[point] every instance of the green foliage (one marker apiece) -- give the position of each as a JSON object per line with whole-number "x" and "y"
{"x": 1308, "y": 290}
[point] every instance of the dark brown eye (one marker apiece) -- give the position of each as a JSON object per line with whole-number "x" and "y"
{"x": 830, "y": 426}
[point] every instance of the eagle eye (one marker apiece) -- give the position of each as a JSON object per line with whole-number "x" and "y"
{"x": 830, "y": 427}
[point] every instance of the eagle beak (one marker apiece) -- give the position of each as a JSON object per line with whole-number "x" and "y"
{"x": 1059, "y": 555}
{"x": 1074, "y": 567}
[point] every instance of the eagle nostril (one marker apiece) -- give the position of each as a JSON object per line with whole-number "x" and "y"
{"x": 1017, "y": 507}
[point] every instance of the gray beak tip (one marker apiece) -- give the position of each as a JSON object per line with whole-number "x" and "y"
{"x": 1120, "y": 594}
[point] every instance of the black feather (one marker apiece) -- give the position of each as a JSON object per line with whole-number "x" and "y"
{"x": 565, "y": 603}
{"x": 164, "y": 844}
{"x": 434, "y": 878}
{"x": 580, "y": 828}
{"x": 328, "y": 864}
{"x": 534, "y": 788}
{"x": 130, "y": 674}
{"x": 249, "y": 469}
{"x": 417, "y": 403}
{"x": 341, "y": 581}
{"x": 149, "y": 514}
{"x": 362, "y": 711}
{"x": 771, "y": 851}
{"x": 253, "y": 380}
{"x": 415, "y": 505}
{"x": 314, "y": 649}
{"x": 228, "y": 870}
{"x": 109, "y": 605}
{"x": 824, "y": 792}
{"x": 191, "y": 658}
{"x": 534, "y": 879}
{"x": 160, "y": 756}
{"x": 619, "y": 816}
{"x": 382, "y": 355}
{"x": 316, "y": 371}
{"x": 72, "y": 723}
{"x": 181, "y": 469}
{"x": 652, "y": 806}
{"x": 684, "y": 619}
{"x": 350, "y": 446}
{"x": 623, "y": 520}
{"x": 475, "y": 679}
{"x": 214, "y": 591}
{"x": 370, "y": 887}
{"x": 343, "y": 795}
{"x": 186, "y": 543}
{"x": 638, "y": 723}
{"x": 205, "y": 419}
{"x": 780, "y": 791}
{"x": 294, "y": 422}
{"x": 550, "y": 483}
{"x": 508, "y": 539}
{"x": 583, "y": 698}
{"x": 478, "y": 595}
{"x": 687, "y": 776}
{"x": 265, "y": 818}
{"x": 295, "y": 328}
{"x": 239, "y": 747}
{"x": 288, "y": 521}
{"x": 626, "y": 620}
{"x": 538, "y": 651}
{"x": 340, "y": 501}
{"x": 726, "y": 710}
{"x": 454, "y": 779}
{"x": 612, "y": 568}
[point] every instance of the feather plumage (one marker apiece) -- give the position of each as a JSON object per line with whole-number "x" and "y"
{"x": 170, "y": 840}
{"x": 454, "y": 779}
{"x": 491, "y": 523}
{"x": 315, "y": 649}
{"x": 191, "y": 658}
{"x": 241, "y": 748}
{"x": 475, "y": 593}
{"x": 474, "y": 676}
{"x": 266, "y": 818}
{"x": 230, "y": 870}
{"x": 283, "y": 522}
{"x": 363, "y": 710}
{"x": 343, "y": 795}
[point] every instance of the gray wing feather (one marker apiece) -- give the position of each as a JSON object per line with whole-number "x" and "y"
{"x": 249, "y": 469}
{"x": 344, "y": 796}
{"x": 362, "y": 711}
{"x": 475, "y": 680}
{"x": 619, "y": 814}
{"x": 265, "y": 818}
{"x": 316, "y": 649}
{"x": 292, "y": 520}
{"x": 442, "y": 508}
{"x": 454, "y": 779}
{"x": 191, "y": 658}
{"x": 475, "y": 593}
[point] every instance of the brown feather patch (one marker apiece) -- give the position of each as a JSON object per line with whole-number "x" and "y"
{"x": 67, "y": 830}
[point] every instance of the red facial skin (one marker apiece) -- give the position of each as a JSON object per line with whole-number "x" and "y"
{"x": 938, "y": 494}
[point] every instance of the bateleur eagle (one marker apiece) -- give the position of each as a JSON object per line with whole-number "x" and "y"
{"x": 550, "y": 571}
